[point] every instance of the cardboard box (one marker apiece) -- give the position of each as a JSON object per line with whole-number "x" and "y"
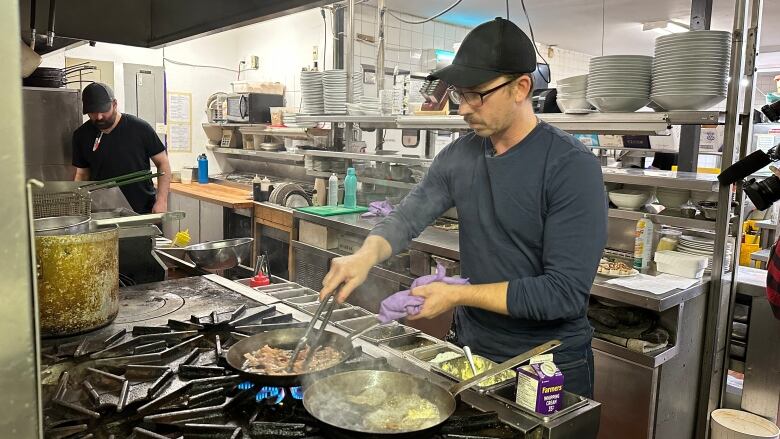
{"x": 540, "y": 387}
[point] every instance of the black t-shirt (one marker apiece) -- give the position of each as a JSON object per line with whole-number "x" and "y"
{"x": 127, "y": 148}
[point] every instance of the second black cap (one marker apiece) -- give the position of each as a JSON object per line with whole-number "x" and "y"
{"x": 494, "y": 48}
{"x": 97, "y": 98}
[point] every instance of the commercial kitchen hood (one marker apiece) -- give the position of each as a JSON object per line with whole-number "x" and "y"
{"x": 146, "y": 23}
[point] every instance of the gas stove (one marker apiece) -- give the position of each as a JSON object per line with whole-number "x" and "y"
{"x": 158, "y": 372}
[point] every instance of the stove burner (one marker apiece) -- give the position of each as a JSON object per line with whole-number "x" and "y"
{"x": 149, "y": 308}
{"x": 170, "y": 381}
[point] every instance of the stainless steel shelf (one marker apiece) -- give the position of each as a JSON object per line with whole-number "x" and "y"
{"x": 611, "y": 123}
{"x": 268, "y": 155}
{"x": 666, "y": 220}
{"x": 646, "y": 299}
{"x": 650, "y": 359}
{"x": 392, "y": 158}
{"x": 669, "y": 179}
{"x": 363, "y": 121}
{"x": 376, "y": 181}
{"x": 669, "y": 151}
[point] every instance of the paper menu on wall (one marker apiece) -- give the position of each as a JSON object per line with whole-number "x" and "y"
{"x": 179, "y": 107}
{"x": 179, "y": 137}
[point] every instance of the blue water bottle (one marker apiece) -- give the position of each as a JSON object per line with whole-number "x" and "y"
{"x": 350, "y": 189}
{"x": 203, "y": 169}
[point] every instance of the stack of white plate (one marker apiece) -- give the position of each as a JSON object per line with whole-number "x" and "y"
{"x": 691, "y": 69}
{"x": 619, "y": 83}
{"x": 311, "y": 88}
{"x": 334, "y": 83}
{"x": 696, "y": 245}
{"x": 571, "y": 94}
{"x": 369, "y": 105}
{"x": 357, "y": 86}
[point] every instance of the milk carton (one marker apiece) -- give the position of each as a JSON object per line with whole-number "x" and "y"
{"x": 540, "y": 386}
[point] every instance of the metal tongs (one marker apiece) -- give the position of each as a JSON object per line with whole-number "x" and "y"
{"x": 312, "y": 336}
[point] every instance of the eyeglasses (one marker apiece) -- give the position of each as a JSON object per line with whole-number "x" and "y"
{"x": 473, "y": 98}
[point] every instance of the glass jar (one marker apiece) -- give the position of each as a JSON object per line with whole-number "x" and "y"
{"x": 669, "y": 240}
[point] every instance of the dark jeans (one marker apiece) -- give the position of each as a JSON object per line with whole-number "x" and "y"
{"x": 577, "y": 369}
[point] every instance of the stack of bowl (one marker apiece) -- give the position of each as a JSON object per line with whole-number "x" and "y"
{"x": 571, "y": 94}
{"x": 619, "y": 83}
{"x": 672, "y": 198}
{"x": 691, "y": 69}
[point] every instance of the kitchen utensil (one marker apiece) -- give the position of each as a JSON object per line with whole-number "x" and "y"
{"x": 219, "y": 255}
{"x": 287, "y": 339}
{"x": 310, "y": 336}
{"x": 470, "y": 358}
{"x": 78, "y": 280}
{"x": 61, "y": 225}
{"x": 331, "y": 399}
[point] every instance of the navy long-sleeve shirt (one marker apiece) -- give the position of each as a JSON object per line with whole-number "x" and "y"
{"x": 535, "y": 216}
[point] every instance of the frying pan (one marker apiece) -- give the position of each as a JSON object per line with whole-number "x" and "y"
{"x": 287, "y": 339}
{"x": 331, "y": 400}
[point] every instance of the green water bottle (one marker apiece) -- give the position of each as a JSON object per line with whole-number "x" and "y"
{"x": 350, "y": 189}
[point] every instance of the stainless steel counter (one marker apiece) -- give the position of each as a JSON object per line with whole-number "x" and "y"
{"x": 431, "y": 240}
{"x": 445, "y": 243}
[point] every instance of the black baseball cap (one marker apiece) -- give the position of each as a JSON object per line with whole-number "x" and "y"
{"x": 97, "y": 98}
{"x": 492, "y": 49}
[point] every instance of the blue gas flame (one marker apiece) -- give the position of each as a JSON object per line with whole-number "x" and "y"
{"x": 246, "y": 385}
{"x": 296, "y": 392}
{"x": 268, "y": 392}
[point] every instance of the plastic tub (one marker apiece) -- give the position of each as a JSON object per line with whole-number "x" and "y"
{"x": 680, "y": 264}
{"x": 736, "y": 424}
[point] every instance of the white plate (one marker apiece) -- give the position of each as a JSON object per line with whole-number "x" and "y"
{"x": 634, "y": 272}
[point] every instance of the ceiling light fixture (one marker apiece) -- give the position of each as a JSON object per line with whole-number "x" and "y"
{"x": 665, "y": 27}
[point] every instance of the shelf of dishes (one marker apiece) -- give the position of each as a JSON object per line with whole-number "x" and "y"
{"x": 656, "y": 123}
{"x": 282, "y": 156}
{"x": 267, "y": 130}
{"x": 667, "y": 179}
{"x": 665, "y": 220}
{"x": 650, "y": 151}
{"x": 392, "y": 158}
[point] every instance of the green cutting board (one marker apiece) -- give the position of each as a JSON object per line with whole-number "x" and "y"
{"x": 332, "y": 210}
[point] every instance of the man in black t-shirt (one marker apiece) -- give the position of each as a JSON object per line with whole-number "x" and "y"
{"x": 112, "y": 144}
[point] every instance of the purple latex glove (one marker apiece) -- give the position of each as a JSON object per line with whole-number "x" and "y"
{"x": 378, "y": 208}
{"x": 403, "y": 304}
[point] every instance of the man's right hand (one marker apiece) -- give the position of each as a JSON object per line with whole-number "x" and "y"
{"x": 352, "y": 270}
{"x": 349, "y": 270}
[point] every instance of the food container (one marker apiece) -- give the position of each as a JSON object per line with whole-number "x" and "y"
{"x": 669, "y": 240}
{"x": 680, "y": 264}
{"x": 307, "y": 299}
{"x": 427, "y": 355}
{"x": 312, "y": 308}
{"x": 459, "y": 370}
{"x": 277, "y": 116}
{"x": 287, "y": 294}
{"x": 408, "y": 343}
{"x": 78, "y": 281}
{"x": 381, "y": 334}
{"x": 569, "y": 403}
{"x": 737, "y": 424}
{"x": 352, "y": 312}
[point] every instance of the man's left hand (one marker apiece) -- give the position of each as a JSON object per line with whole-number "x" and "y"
{"x": 439, "y": 298}
{"x": 160, "y": 207}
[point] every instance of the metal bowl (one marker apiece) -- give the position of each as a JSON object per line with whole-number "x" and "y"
{"x": 220, "y": 255}
{"x": 61, "y": 225}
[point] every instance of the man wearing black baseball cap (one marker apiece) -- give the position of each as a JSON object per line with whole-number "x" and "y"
{"x": 111, "y": 144}
{"x": 532, "y": 213}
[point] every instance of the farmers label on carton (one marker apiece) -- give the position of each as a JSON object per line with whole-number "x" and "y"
{"x": 540, "y": 387}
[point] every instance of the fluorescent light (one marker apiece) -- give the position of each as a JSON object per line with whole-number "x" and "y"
{"x": 665, "y": 27}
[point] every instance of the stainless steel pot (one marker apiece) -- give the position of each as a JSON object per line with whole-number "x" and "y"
{"x": 78, "y": 280}
{"x": 219, "y": 255}
{"x": 61, "y": 225}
